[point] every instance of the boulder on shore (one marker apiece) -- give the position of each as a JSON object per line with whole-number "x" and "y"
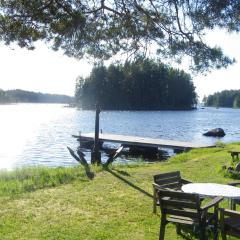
{"x": 216, "y": 132}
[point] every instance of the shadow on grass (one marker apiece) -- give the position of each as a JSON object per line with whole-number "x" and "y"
{"x": 192, "y": 232}
{"x": 187, "y": 236}
{"x": 124, "y": 173}
{"x": 128, "y": 182}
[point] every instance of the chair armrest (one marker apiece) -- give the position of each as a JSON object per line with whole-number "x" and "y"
{"x": 212, "y": 203}
{"x": 234, "y": 183}
{"x": 230, "y": 213}
{"x": 156, "y": 186}
{"x": 185, "y": 181}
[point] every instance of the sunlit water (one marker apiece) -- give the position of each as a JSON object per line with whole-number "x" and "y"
{"x": 37, "y": 134}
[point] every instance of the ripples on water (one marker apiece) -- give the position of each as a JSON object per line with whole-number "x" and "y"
{"x": 37, "y": 134}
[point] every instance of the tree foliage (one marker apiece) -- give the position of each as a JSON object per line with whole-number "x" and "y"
{"x": 4, "y": 98}
{"x": 101, "y": 28}
{"x": 226, "y": 98}
{"x": 140, "y": 85}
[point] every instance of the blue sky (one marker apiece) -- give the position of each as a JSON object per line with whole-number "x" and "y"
{"x": 47, "y": 71}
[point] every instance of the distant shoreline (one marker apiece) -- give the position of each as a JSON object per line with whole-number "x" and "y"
{"x": 21, "y": 96}
{"x": 127, "y": 109}
{"x": 16, "y": 103}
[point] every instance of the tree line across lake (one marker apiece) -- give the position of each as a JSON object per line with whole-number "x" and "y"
{"x": 21, "y": 96}
{"x": 226, "y": 98}
{"x": 140, "y": 85}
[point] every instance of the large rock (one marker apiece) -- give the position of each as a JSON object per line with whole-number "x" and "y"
{"x": 216, "y": 132}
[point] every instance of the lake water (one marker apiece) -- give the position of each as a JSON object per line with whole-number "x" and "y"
{"x": 37, "y": 134}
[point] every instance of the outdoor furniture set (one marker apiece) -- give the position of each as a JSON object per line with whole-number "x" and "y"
{"x": 181, "y": 201}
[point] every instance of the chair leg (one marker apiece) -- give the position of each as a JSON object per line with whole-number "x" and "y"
{"x": 215, "y": 229}
{"x": 202, "y": 235}
{"x": 162, "y": 228}
{"x": 154, "y": 200}
{"x": 178, "y": 229}
{"x": 222, "y": 224}
{"x": 223, "y": 234}
{"x": 232, "y": 204}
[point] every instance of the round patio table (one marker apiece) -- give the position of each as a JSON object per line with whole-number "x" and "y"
{"x": 213, "y": 190}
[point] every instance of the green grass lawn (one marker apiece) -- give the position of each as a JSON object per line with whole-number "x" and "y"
{"x": 62, "y": 203}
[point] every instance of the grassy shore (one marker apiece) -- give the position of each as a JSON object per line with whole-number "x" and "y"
{"x": 62, "y": 203}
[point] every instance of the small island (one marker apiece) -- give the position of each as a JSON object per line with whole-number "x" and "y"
{"x": 143, "y": 84}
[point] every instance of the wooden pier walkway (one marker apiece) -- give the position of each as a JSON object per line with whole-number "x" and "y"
{"x": 142, "y": 141}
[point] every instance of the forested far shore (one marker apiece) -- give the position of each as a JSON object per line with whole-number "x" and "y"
{"x": 22, "y": 96}
{"x": 226, "y": 98}
{"x": 140, "y": 85}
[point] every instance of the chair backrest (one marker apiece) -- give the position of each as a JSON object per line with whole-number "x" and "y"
{"x": 230, "y": 222}
{"x": 168, "y": 180}
{"x": 180, "y": 204}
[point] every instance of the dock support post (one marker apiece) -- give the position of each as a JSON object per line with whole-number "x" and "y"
{"x": 95, "y": 154}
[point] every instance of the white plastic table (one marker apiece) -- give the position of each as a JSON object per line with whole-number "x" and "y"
{"x": 213, "y": 190}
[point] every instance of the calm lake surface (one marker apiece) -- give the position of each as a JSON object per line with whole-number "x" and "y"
{"x": 37, "y": 134}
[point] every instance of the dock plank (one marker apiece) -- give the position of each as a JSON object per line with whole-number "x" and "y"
{"x": 143, "y": 141}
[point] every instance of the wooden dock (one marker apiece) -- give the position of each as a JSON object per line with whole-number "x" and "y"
{"x": 142, "y": 141}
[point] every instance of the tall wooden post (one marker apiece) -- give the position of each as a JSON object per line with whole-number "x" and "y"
{"x": 96, "y": 155}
